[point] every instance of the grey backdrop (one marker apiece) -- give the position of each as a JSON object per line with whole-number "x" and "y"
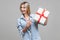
{"x": 9, "y": 12}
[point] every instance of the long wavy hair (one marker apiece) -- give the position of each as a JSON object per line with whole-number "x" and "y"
{"x": 28, "y": 7}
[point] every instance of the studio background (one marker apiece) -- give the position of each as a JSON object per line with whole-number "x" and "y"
{"x": 9, "y": 12}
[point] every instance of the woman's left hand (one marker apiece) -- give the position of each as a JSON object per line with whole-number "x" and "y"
{"x": 46, "y": 21}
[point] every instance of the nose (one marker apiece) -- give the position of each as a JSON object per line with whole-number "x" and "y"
{"x": 22, "y": 8}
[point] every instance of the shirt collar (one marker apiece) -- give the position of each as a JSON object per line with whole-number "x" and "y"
{"x": 23, "y": 16}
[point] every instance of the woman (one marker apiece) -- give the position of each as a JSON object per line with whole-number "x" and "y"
{"x": 27, "y": 27}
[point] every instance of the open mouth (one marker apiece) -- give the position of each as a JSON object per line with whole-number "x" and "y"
{"x": 23, "y": 11}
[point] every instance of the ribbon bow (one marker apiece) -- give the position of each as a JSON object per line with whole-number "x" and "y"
{"x": 41, "y": 15}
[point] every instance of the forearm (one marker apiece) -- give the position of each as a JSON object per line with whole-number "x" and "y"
{"x": 25, "y": 29}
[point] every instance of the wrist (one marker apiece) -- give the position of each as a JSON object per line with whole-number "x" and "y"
{"x": 25, "y": 29}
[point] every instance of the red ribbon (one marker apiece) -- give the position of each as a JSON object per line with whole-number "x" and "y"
{"x": 41, "y": 15}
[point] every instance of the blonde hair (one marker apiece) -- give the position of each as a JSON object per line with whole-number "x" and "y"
{"x": 28, "y": 6}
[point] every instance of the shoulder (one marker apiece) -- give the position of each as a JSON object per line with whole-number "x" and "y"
{"x": 18, "y": 19}
{"x": 32, "y": 15}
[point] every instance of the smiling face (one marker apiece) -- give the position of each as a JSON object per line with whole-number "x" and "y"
{"x": 25, "y": 8}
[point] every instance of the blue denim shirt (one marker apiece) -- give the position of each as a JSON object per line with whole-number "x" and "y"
{"x": 32, "y": 33}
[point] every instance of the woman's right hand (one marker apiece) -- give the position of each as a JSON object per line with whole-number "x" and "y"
{"x": 27, "y": 25}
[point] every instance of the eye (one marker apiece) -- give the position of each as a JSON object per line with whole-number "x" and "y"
{"x": 20, "y": 7}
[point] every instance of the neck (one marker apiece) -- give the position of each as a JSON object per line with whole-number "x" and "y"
{"x": 26, "y": 16}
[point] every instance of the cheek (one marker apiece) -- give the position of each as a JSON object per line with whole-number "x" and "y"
{"x": 23, "y": 9}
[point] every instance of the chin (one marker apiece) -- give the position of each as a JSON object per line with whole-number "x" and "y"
{"x": 23, "y": 12}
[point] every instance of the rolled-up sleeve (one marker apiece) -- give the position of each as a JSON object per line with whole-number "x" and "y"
{"x": 19, "y": 27}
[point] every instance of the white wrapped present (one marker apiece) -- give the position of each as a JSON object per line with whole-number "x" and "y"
{"x": 41, "y": 15}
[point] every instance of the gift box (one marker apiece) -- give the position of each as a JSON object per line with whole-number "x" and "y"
{"x": 41, "y": 15}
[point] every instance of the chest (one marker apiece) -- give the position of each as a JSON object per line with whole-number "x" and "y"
{"x": 24, "y": 22}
